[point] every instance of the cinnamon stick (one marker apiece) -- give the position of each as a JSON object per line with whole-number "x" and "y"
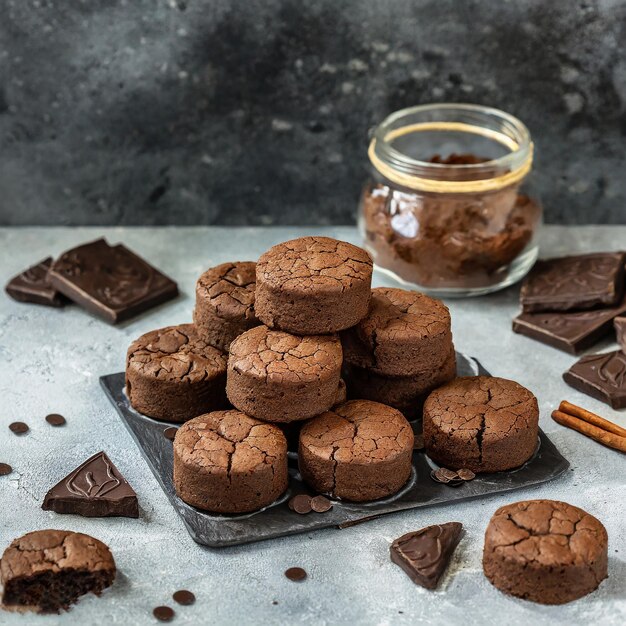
{"x": 591, "y": 418}
{"x": 593, "y": 432}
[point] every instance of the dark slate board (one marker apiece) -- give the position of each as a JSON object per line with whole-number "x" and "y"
{"x": 278, "y": 520}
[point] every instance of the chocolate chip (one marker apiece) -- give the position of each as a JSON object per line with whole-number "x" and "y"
{"x": 19, "y": 428}
{"x": 418, "y": 442}
{"x": 184, "y": 597}
{"x": 466, "y": 474}
{"x": 321, "y": 504}
{"x": 447, "y": 473}
{"x": 170, "y": 433}
{"x": 301, "y": 504}
{"x": 54, "y": 419}
{"x": 296, "y": 574}
{"x": 5, "y": 469}
{"x": 163, "y": 613}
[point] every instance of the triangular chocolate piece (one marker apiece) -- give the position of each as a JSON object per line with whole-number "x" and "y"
{"x": 95, "y": 489}
{"x": 425, "y": 554}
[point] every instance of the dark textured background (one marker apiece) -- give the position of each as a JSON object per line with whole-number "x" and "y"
{"x": 257, "y": 112}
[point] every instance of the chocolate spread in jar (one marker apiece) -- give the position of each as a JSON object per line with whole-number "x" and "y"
{"x": 448, "y": 240}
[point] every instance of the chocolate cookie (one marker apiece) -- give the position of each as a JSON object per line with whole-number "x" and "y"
{"x": 545, "y": 551}
{"x": 280, "y": 377}
{"x": 225, "y": 303}
{"x": 481, "y": 423}
{"x": 227, "y": 462}
{"x": 48, "y": 570}
{"x": 173, "y": 374}
{"x": 404, "y": 333}
{"x": 358, "y": 451}
{"x": 405, "y": 393}
{"x": 313, "y": 285}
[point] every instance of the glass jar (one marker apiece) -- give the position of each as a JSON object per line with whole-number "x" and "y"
{"x": 448, "y": 208}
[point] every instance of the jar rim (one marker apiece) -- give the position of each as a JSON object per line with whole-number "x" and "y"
{"x": 521, "y": 138}
{"x": 489, "y": 122}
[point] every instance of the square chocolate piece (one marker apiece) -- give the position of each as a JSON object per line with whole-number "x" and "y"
{"x": 110, "y": 281}
{"x": 620, "y": 331}
{"x": 601, "y": 376}
{"x": 572, "y": 331}
{"x": 33, "y": 286}
{"x": 574, "y": 283}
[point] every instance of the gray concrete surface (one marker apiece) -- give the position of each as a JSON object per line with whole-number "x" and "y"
{"x": 50, "y": 361}
{"x": 214, "y": 111}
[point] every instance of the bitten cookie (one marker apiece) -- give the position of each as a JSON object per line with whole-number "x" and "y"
{"x": 48, "y": 570}
{"x": 358, "y": 451}
{"x": 227, "y": 462}
{"x": 173, "y": 374}
{"x": 482, "y": 423}
{"x": 405, "y": 333}
{"x": 545, "y": 551}
{"x": 405, "y": 393}
{"x": 225, "y": 302}
{"x": 313, "y": 285}
{"x": 278, "y": 377}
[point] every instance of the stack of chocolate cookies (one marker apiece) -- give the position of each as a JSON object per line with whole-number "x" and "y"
{"x": 263, "y": 362}
{"x": 571, "y": 303}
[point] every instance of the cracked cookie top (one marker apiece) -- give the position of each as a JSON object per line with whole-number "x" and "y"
{"x": 546, "y": 533}
{"x": 176, "y": 353}
{"x": 358, "y": 431}
{"x": 53, "y": 551}
{"x": 486, "y": 406}
{"x": 229, "y": 289}
{"x": 229, "y": 441}
{"x": 399, "y": 315}
{"x": 314, "y": 264}
{"x": 280, "y": 357}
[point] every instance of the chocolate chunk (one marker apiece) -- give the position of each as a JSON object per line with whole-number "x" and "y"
{"x": 601, "y": 376}
{"x": 19, "y": 428}
{"x": 425, "y": 554}
{"x": 620, "y": 331}
{"x": 571, "y": 332}
{"x": 296, "y": 574}
{"x": 321, "y": 504}
{"x": 184, "y": 597}
{"x": 54, "y": 419}
{"x": 48, "y": 570}
{"x": 301, "y": 504}
{"x": 110, "y": 281}
{"x": 95, "y": 489}
{"x": 574, "y": 283}
{"x": 5, "y": 469}
{"x": 170, "y": 433}
{"x": 163, "y": 613}
{"x": 33, "y": 286}
{"x": 466, "y": 474}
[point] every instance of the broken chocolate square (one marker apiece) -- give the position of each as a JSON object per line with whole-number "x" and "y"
{"x": 425, "y": 554}
{"x": 110, "y": 281}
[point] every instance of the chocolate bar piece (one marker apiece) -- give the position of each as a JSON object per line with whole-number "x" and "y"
{"x": 620, "y": 331}
{"x": 601, "y": 376}
{"x": 569, "y": 331}
{"x": 574, "y": 283}
{"x": 110, "y": 281}
{"x": 425, "y": 554}
{"x": 32, "y": 286}
{"x": 95, "y": 489}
